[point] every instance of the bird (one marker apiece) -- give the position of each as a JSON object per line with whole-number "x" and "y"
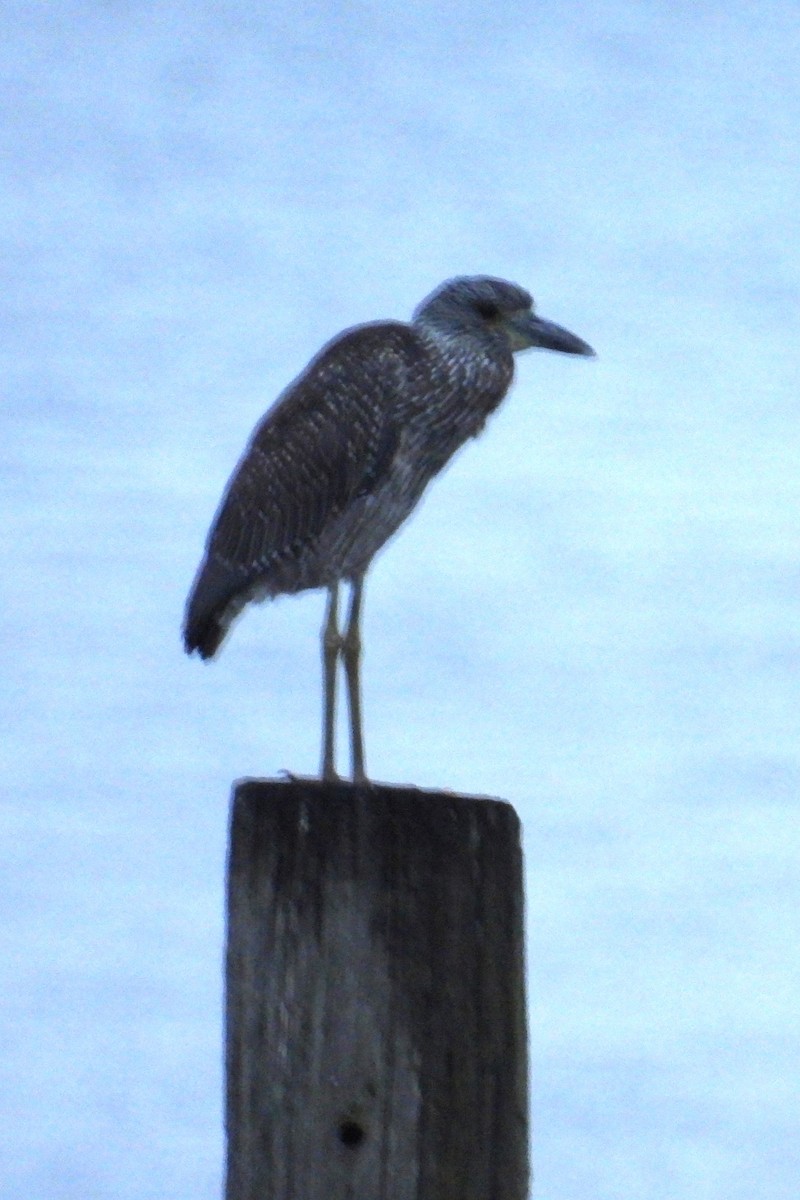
{"x": 341, "y": 459}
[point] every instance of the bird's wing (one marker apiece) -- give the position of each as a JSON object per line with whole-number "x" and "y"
{"x": 326, "y": 441}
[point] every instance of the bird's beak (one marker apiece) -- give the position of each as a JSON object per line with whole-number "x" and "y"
{"x": 531, "y": 332}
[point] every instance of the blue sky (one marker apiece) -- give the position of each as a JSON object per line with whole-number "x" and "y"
{"x": 594, "y": 613}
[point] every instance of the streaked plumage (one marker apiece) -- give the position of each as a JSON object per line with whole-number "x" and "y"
{"x": 341, "y": 459}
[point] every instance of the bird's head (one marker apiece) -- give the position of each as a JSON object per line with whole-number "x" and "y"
{"x": 496, "y": 308}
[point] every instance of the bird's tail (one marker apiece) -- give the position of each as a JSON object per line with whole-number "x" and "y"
{"x": 210, "y": 609}
{"x": 203, "y": 635}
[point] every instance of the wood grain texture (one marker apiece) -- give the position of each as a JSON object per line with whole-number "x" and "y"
{"x": 375, "y": 995}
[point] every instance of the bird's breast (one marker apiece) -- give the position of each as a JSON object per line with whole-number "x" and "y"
{"x": 462, "y": 387}
{"x": 438, "y": 412}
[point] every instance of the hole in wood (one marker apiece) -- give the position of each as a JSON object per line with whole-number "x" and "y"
{"x": 351, "y": 1134}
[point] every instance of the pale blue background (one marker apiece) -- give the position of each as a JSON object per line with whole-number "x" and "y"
{"x": 595, "y": 614}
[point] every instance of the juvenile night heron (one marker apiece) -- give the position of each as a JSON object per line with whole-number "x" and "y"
{"x": 341, "y": 459}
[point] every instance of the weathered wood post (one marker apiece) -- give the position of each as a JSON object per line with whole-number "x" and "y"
{"x": 376, "y": 1042}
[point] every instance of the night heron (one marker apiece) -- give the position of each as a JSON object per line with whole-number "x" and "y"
{"x": 341, "y": 459}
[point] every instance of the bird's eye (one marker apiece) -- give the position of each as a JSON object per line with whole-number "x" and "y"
{"x": 487, "y": 309}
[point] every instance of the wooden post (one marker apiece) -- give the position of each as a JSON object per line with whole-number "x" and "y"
{"x": 376, "y": 1042}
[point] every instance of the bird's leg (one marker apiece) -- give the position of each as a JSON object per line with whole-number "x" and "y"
{"x": 331, "y": 646}
{"x": 351, "y": 657}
